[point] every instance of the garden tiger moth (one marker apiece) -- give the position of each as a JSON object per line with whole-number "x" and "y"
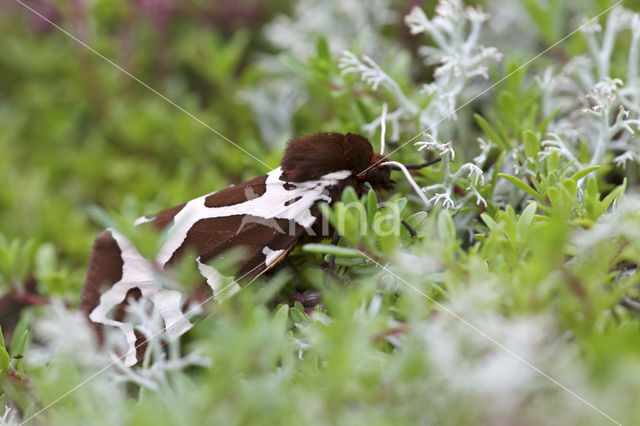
{"x": 267, "y": 216}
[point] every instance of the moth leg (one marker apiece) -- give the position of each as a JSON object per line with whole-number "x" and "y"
{"x": 332, "y": 258}
{"x": 332, "y": 271}
{"x": 408, "y": 227}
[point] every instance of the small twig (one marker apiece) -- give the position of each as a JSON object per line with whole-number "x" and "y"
{"x": 631, "y": 304}
{"x": 391, "y": 332}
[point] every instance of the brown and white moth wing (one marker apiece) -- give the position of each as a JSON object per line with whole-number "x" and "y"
{"x": 257, "y": 258}
{"x": 106, "y": 261}
{"x": 209, "y": 225}
{"x": 259, "y": 237}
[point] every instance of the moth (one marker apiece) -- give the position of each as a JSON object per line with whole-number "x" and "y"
{"x": 267, "y": 216}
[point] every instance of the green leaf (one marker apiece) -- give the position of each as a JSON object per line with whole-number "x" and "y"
{"x": 281, "y": 316}
{"x": 298, "y": 314}
{"x": 331, "y": 249}
{"x": 325, "y": 209}
{"x": 19, "y": 354}
{"x": 582, "y": 173}
{"x": 446, "y": 227}
{"x": 591, "y": 190}
{"x": 506, "y": 101}
{"x": 554, "y": 197}
{"x": 531, "y": 115}
{"x": 571, "y": 186}
{"x": 526, "y": 218}
{"x": 612, "y": 196}
{"x": 488, "y": 130}
{"x": 346, "y": 261}
{"x": 522, "y": 185}
{"x": 531, "y": 143}
{"x": 416, "y": 219}
{"x": 364, "y": 110}
{"x": 372, "y": 206}
{"x": 26, "y": 316}
{"x": 566, "y": 167}
{"x": 504, "y": 134}
{"x": 488, "y": 220}
{"x": 5, "y": 359}
{"x": 349, "y": 195}
{"x": 322, "y": 49}
{"x": 553, "y": 162}
{"x": 401, "y": 204}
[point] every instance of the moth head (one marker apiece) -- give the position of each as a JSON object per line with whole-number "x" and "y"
{"x": 366, "y": 165}
{"x": 311, "y": 157}
{"x": 379, "y": 175}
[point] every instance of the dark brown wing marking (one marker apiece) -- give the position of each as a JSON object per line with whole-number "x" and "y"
{"x": 105, "y": 268}
{"x": 238, "y": 193}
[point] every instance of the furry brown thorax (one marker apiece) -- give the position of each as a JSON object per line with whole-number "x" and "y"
{"x": 311, "y": 157}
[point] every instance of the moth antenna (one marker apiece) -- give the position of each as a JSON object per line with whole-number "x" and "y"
{"x": 423, "y": 165}
{"x": 412, "y": 182}
{"x": 383, "y": 127}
